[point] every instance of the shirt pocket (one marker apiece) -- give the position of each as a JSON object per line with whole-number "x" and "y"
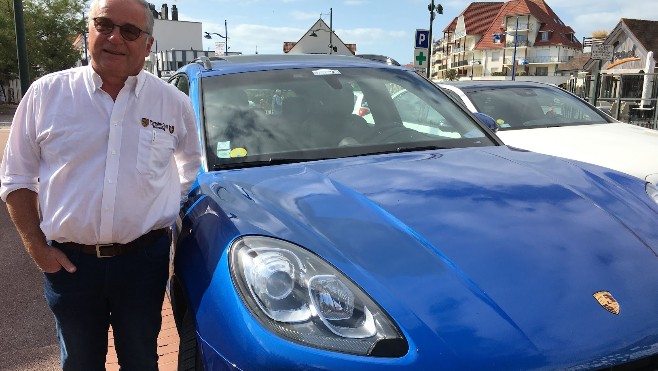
{"x": 155, "y": 150}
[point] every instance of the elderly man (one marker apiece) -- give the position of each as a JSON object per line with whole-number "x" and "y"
{"x": 98, "y": 160}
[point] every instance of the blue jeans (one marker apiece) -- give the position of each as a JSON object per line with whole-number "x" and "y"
{"x": 124, "y": 291}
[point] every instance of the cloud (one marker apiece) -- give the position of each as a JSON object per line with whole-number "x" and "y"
{"x": 304, "y": 16}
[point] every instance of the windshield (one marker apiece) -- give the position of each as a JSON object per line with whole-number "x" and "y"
{"x": 306, "y": 114}
{"x": 527, "y": 107}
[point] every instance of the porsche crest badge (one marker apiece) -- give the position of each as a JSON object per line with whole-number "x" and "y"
{"x": 145, "y": 122}
{"x": 607, "y": 301}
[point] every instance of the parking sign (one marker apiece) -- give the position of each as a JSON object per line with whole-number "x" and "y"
{"x": 422, "y": 39}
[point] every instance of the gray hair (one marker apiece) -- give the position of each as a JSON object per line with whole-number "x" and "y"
{"x": 147, "y": 9}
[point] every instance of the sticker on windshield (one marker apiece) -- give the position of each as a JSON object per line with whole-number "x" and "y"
{"x": 238, "y": 152}
{"x": 325, "y": 72}
{"x": 224, "y": 149}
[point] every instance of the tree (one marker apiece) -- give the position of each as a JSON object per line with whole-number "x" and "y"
{"x": 451, "y": 75}
{"x": 600, "y": 34}
{"x": 51, "y": 26}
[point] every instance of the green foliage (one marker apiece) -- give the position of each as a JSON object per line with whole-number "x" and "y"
{"x": 451, "y": 75}
{"x": 51, "y": 27}
{"x": 499, "y": 73}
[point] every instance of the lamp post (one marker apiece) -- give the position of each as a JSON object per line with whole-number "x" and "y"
{"x": 503, "y": 29}
{"x": 331, "y": 46}
{"x": 208, "y": 36}
{"x": 439, "y": 10}
{"x": 21, "y": 46}
{"x": 516, "y": 34}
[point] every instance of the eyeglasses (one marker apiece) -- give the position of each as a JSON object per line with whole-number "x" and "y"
{"x": 128, "y": 31}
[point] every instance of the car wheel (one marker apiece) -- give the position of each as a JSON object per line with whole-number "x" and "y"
{"x": 189, "y": 354}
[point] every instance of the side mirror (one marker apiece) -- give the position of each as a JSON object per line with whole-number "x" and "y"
{"x": 487, "y": 120}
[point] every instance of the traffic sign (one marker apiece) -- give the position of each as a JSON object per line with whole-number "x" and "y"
{"x": 422, "y": 39}
{"x": 602, "y": 52}
{"x": 421, "y": 58}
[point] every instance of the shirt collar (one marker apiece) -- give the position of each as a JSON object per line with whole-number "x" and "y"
{"x": 134, "y": 83}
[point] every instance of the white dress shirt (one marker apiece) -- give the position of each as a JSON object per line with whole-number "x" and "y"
{"x": 106, "y": 171}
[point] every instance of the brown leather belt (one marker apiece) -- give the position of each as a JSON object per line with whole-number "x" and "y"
{"x": 108, "y": 250}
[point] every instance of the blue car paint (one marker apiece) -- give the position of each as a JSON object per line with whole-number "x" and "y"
{"x": 460, "y": 247}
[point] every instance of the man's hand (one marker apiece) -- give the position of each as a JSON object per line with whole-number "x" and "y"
{"x": 50, "y": 259}
{"x": 23, "y": 206}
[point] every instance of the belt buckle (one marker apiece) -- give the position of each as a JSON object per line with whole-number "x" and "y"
{"x": 99, "y": 247}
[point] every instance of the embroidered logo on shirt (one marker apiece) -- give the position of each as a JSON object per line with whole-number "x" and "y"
{"x": 158, "y": 125}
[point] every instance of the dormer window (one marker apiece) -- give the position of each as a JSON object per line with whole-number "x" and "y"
{"x": 544, "y": 35}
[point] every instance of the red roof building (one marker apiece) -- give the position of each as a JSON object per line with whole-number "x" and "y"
{"x": 494, "y": 38}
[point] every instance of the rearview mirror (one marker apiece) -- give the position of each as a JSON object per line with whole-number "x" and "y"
{"x": 487, "y": 120}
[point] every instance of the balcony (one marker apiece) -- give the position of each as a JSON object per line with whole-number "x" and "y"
{"x": 460, "y": 63}
{"x": 457, "y": 50}
{"x": 547, "y": 60}
{"x": 522, "y": 27}
{"x": 519, "y": 44}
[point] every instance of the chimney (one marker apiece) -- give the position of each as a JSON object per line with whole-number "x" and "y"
{"x": 164, "y": 13}
{"x": 174, "y": 13}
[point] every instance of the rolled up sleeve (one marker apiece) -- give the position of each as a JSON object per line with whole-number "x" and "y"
{"x": 21, "y": 156}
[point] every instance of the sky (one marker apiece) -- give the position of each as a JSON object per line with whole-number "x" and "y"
{"x": 384, "y": 27}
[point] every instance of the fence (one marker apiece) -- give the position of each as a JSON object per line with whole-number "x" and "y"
{"x": 630, "y": 98}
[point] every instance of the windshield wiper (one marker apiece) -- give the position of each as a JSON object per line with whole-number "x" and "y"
{"x": 258, "y": 163}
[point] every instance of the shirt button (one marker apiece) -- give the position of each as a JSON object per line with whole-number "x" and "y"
{"x": 114, "y": 152}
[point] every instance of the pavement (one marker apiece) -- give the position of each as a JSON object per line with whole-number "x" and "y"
{"x": 32, "y": 349}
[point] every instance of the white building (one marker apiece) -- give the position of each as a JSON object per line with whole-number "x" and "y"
{"x": 494, "y": 38}
{"x": 320, "y": 39}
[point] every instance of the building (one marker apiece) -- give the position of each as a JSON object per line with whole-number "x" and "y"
{"x": 320, "y": 39}
{"x": 495, "y": 38}
{"x": 632, "y": 40}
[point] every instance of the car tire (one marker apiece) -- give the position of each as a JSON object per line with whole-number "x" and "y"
{"x": 189, "y": 354}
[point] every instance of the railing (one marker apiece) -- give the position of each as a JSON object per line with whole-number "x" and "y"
{"x": 519, "y": 44}
{"x": 457, "y": 50}
{"x": 622, "y": 96}
{"x": 547, "y": 59}
{"x": 460, "y": 63}
{"x": 522, "y": 27}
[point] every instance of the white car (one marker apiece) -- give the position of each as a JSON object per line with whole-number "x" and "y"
{"x": 544, "y": 118}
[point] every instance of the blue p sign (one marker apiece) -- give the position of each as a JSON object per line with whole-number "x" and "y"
{"x": 422, "y": 39}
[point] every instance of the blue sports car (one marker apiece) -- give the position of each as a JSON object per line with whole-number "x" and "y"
{"x": 315, "y": 238}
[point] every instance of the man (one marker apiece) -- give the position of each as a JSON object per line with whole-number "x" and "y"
{"x": 98, "y": 160}
{"x": 277, "y": 102}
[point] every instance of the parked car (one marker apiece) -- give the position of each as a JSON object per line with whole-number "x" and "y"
{"x": 544, "y": 118}
{"x": 317, "y": 240}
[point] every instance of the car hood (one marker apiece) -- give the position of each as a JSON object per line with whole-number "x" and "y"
{"x": 472, "y": 251}
{"x": 623, "y": 147}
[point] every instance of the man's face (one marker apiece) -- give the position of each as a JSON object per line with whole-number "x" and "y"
{"x": 112, "y": 56}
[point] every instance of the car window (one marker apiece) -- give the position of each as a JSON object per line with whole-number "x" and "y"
{"x": 327, "y": 113}
{"x": 527, "y": 107}
{"x": 418, "y": 115}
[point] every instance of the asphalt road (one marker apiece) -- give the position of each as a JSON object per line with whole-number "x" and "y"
{"x": 27, "y": 330}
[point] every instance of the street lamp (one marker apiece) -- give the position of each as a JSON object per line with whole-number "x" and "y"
{"x": 439, "y": 10}
{"x": 208, "y": 36}
{"x": 516, "y": 34}
{"x": 331, "y": 46}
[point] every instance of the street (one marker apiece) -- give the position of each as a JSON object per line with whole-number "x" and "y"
{"x": 27, "y": 330}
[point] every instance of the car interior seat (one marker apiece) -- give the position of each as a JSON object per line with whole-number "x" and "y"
{"x": 340, "y": 123}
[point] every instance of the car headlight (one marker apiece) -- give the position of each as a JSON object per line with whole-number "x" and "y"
{"x": 301, "y": 297}
{"x": 652, "y": 191}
